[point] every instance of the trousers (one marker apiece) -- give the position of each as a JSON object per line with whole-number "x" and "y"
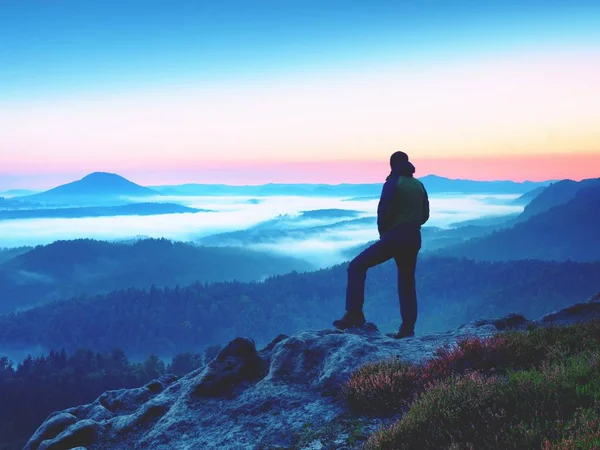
{"x": 401, "y": 243}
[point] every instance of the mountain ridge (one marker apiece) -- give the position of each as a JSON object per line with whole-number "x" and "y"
{"x": 556, "y": 194}
{"x": 434, "y": 184}
{"x": 566, "y": 231}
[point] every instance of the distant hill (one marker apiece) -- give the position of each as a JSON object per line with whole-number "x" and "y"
{"x": 10, "y": 253}
{"x": 133, "y": 209}
{"x": 437, "y": 184}
{"x": 69, "y": 268}
{"x": 434, "y": 238}
{"x": 330, "y": 214}
{"x": 489, "y": 222}
{"x": 434, "y": 184}
{"x": 175, "y": 320}
{"x": 272, "y": 189}
{"x": 11, "y": 203}
{"x": 278, "y": 229}
{"x": 556, "y": 194}
{"x": 95, "y": 188}
{"x": 567, "y": 231}
{"x": 17, "y": 192}
{"x": 528, "y": 197}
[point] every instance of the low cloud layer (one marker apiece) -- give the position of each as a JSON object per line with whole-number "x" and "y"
{"x": 318, "y": 237}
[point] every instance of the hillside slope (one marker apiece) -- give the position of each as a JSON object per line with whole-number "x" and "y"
{"x": 528, "y": 197}
{"x": 556, "y": 194}
{"x": 170, "y": 321}
{"x": 71, "y": 268}
{"x": 570, "y": 231}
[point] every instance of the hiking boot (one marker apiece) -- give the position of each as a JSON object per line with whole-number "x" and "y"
{"x": 350, "y": 319}
{"x": 402, "y": 333}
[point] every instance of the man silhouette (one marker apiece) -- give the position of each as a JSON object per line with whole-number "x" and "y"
{"x": 403, "y": 208}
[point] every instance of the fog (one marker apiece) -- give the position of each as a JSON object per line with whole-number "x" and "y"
{"x": 286, "y": 230}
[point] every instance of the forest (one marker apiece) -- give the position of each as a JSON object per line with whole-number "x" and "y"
{"x": 66, "y": 269}
{"x": 171, "y": 320}
{"x": 38, "y": 386}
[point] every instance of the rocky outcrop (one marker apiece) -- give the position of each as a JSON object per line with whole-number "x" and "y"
{"x": 249, "y": 399}
{"x": 578, "y": 312}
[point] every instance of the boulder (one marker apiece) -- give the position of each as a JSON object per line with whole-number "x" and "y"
{"x": 579, "y": 312}
{"x": 80, "y": 434}
{"x": 51, "y": 428}
{"x": 237, "y": 363}
{"x": 511, "y": 322}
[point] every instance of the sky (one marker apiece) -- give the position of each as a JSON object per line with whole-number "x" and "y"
{"x": 243, "y": 92}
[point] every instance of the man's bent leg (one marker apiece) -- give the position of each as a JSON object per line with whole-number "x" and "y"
{"x": 376, "y": 254}
{"x": 407, "y": 292}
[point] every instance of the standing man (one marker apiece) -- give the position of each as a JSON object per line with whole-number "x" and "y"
{"x": 403, "y": 208}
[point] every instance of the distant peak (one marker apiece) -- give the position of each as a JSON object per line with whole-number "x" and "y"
{"x": 102, "y": 175}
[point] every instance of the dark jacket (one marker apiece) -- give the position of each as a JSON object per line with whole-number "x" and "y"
{"x": 404, "y": 200}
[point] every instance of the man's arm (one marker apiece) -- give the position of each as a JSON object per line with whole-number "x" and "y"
{"x": 425, "y": 207}
{"x": 385, "y": 201}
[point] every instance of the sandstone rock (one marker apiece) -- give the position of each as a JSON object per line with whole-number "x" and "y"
{"x": 579, "y": 312}
{"x": 594, "y": 298}
{"x": 51, "y": 428}
{"x": 80, "y": 434}
{"x": 244, "y": 398}
{"x": 237, "y": 363}
{"x": 512, "y": 321}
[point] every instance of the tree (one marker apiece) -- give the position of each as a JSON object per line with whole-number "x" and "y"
{"x": 154, "y": 367}
{"x": 184, "y": 363}
{"x": 6, "y": 368}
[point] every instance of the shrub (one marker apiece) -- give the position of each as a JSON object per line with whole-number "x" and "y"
{"x": 383, "y": 387}
{"x": 533, "y": 389}
{"x": 437, "y": 418}
{"x": 582, "y": 433}
{"x": 527, "y": 409}
{"x": 537, "y": 345}
{"x": 513, "y": 350}
{"x": 468, "y": 355}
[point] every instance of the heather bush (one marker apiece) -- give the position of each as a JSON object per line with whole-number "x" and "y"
{"x": 386, "y": 387}
{"x": 525, "y": 409}
{"x": 537, "y": 345}
{"x": 513, "y": 350}
{"x": 581, "y": 433}
{"x": 437, "y": 418}
{"x": 383, "y": 387}
{"x": 468, "y": 355}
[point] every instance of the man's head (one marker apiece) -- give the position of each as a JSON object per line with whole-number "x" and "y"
{"x": 398, "y": 158}
{"x": 400, "y": 164}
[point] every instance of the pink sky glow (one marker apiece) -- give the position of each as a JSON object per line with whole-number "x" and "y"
{"x": 516, "y": 168}
{"x": 513, "y": 117}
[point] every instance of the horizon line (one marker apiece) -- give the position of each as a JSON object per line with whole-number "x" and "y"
{"x": 514, "y": 168}
{"x": 163, "y": 185}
